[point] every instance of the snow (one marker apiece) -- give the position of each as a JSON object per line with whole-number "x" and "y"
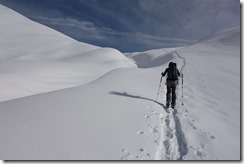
{"x": 66, "y": 100}
{"x": 36, "y": 59}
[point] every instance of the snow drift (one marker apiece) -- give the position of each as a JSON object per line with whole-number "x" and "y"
{"x": 36, "y": 59}
{"x": 112, "y": 114}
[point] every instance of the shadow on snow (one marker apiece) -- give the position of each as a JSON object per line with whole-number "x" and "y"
{"x": 125, "y": 94}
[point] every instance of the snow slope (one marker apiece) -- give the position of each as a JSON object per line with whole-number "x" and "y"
{"x": 152, "y": 58}
{"x": 116, "y": 117}
{"x": 212, "y": 94}
{"x": 36, "y": 59}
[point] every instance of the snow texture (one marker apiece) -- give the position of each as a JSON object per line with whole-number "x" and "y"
{"x": 66, "y": 100}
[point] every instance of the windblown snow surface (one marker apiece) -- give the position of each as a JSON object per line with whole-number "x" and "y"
{"x": 66, "y": 100}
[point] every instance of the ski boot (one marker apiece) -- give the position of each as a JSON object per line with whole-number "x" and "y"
{"x": 167, "y": 105}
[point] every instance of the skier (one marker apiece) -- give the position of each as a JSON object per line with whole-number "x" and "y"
{"x": 171, "y": 83}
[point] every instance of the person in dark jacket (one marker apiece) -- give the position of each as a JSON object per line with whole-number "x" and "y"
{"x": 171, "y": 83}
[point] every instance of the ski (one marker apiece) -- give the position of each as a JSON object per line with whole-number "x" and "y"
{"x": 169, "y": 109}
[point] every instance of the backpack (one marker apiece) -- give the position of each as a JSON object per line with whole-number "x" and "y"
{"x": 172, "y": 72}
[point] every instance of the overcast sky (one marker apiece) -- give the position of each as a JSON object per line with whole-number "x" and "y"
{"x": 133, "y": 25}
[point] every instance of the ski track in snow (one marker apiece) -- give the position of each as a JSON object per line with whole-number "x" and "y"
{"x": 167, "y": 134}
{"x": 173, "y": 145}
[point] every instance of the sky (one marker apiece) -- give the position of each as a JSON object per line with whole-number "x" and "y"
{"x": 132, "y": 25}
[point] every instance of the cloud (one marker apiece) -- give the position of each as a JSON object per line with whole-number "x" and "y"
{"x": 67, "y": 22}
{"x": 133, "y": 24}
{"x": 149, "y": 38}
{"x": 82, "y": 27}
{"x": 191, "y": 19}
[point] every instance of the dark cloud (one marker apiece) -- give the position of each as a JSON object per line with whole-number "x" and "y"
{"x": 133, "y": 25}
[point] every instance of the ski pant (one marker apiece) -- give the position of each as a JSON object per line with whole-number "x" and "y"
{"x": 171, "y": 87}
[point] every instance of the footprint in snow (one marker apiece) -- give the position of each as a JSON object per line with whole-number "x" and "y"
{"x": 138, "y": 157}
{"x": 211, "y": 136}
{"x": 153, "y": 129}
{"x": 155, "y": 113}
{"x": 193, "y": 126}
{"x": 142, "y": 150}
{"x": 149, "y": 155}
{"x": 156, "y": 142}
{"x": 200, "y": 154}
{"x": 126, "y": 157}
{"x": 140, "y": 132}
{"x": 146, "y": 116}
{"x": 199, "y": 151}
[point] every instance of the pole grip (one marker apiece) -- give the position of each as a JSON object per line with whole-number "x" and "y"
{"x": 182, "y": 76}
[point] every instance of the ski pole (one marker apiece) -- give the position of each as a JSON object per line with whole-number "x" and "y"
{"x": 182, "y": 89}
{"x": 159, "y": 87}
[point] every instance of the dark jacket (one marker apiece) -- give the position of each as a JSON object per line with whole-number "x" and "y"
{"x": 166, "y": 72}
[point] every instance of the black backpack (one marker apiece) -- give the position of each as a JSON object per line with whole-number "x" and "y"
{"x": 172, "y": 72}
